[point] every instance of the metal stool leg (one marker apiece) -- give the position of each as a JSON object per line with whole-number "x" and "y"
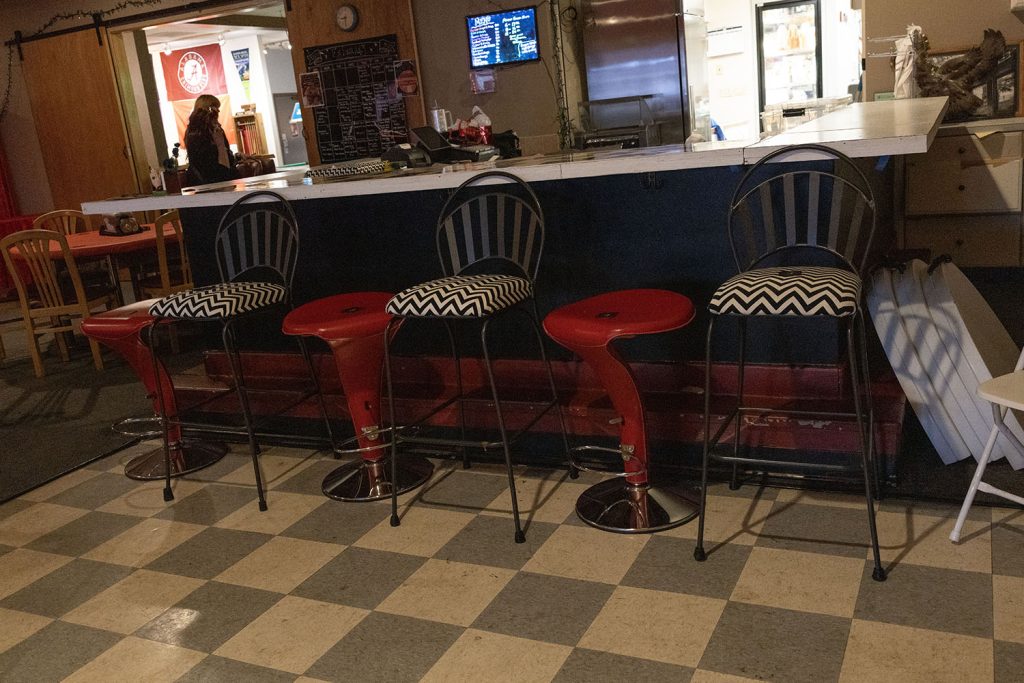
{"x": 534, "y": 316}
{"x": 877, "y": 463}
{"x": 698, "y": 552}
{"x": 164, "y": 427}
{"x": 734, "y": 482}
{"x": 457, "y": 359}
{"x": 878, "y": 574}
{"x": 520, "y": 536}
{"x": 395, "y": 521}
{"x": 231, "y": 349}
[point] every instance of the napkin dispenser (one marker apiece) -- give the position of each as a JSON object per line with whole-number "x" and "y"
{"x": 119, "y": 225}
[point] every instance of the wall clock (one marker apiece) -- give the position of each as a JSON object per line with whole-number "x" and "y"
{"x": 347, "y": 17}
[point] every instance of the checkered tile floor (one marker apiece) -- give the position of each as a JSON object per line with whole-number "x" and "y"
{"x": 101, "y": 580}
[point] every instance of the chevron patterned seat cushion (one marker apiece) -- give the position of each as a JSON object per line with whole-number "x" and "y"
{"x": 793, "y": 290}
{"x": 223, "y": 300}
{"x": 461, "y": 296}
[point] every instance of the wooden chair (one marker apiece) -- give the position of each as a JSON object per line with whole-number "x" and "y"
{"x": 64, "y": 221}
{"x": 46, "y": 306}
{"x": 173, "y": 271}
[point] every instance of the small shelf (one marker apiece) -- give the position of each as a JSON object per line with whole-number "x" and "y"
{"x": 251, "y": 138}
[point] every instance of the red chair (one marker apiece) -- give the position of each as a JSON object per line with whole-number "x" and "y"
{"x": 353, "y": 325}
{"x": 122, "y": 329}
{"x": 628, "y": 503}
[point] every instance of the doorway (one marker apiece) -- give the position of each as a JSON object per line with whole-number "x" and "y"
{"x": 240, "y": 53}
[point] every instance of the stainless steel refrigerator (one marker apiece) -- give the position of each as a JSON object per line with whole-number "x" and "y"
{"x": 652, "y": 50}
{"x": 789, "y": 49}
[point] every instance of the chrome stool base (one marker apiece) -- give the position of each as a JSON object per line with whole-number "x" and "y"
{"x": 188, "y": 455}
{"x": 616, "y": 505}
{"x": 361, "y": 480}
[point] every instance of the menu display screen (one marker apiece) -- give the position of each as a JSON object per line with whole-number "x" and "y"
{"x": 503, "y": 37}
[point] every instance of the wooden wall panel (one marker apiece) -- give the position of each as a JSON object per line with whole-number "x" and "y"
{"x": 311, "y": 22}
{"x": 76, "y": 107}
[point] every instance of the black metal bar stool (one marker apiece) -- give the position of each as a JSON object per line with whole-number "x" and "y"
{"x": 800, "y": 240}
{"x": 629, "y": 503}
{"x": 257, "y": 247}
{"x": 489, "y": 237}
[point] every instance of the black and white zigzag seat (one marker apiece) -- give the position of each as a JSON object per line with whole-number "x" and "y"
{"x": 461, "y": 296}
{"x": 223, "y": 300}
{"x": 795, "y": 290}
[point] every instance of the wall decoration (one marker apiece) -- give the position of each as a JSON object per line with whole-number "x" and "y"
{"x": 991, "y": 73}
{"x": 194, "y": 71}
{"x": 312, "y": 89}
{"x": 406, "y": 80}
{"x": 482, "y": 81}
{"x": 241, "y": 58}
{"x": 363, "y": 114}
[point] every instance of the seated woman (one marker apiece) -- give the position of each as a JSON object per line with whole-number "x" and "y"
{"x": 210, "y": 159}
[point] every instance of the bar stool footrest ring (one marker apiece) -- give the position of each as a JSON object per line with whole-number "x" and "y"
{"x": 127, "y": 427}
{"x": 599, "y": 470}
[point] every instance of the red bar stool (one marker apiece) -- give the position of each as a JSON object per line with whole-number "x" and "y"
{"x": 122, "y": 330}
{"x": 629, "y": 503}
{"x": 353, "y": 325}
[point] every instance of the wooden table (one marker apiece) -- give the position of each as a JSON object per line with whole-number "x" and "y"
{"x": 93, "y": 245}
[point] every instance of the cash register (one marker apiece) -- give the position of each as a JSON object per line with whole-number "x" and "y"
{"x": 441, "y": 151}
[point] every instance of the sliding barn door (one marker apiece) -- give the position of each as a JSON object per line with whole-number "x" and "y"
{"x": 77, "y": 112}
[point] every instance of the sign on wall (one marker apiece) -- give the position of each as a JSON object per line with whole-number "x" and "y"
{"x": 363, "y": 112}
{"x": 194, "y": 71}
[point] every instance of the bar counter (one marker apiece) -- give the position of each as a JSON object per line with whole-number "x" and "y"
{"x": 870, "y": 129}
{"x": 619, "y": 219}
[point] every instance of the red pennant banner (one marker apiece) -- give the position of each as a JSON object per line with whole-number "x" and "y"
{"x": 194, "y": 71}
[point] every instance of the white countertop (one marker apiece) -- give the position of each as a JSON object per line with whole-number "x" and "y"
{"x": 866, "y": 129}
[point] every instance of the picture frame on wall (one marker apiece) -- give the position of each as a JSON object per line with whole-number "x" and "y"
{"x": 1002, "y": 91}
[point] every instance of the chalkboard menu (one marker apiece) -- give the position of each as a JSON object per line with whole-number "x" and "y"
{"x": 363, "y": 112}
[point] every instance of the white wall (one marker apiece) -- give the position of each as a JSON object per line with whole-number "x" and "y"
{"x": 733, "y": 72}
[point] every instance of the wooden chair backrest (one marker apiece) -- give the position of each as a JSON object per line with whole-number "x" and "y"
{"x": 64, "y": 221}
{"x": 33, "y": 247}
{"x": 164, "y": 264}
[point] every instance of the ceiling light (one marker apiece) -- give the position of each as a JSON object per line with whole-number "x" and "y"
{"x": 220, "y": 38}
{"x": 288, "y": 44}
{"x": 167, "y": 49}
{"x": 265, "y": 49}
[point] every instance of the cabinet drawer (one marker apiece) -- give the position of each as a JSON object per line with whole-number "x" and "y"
{"x": 935, "y": 187}
{"x": 970, "y": 149}
{"x": 970, "y": 240}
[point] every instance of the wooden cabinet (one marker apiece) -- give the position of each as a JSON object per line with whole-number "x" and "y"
{"x": 964, "y": 196}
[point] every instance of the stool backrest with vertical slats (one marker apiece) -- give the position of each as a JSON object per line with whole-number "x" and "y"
{"x": 828, "y": 211}
{"x": 258, "y": 239}
{"x": 484, "y": 222}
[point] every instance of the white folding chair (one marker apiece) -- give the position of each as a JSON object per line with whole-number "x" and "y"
{"x": 1005, "y": 393}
